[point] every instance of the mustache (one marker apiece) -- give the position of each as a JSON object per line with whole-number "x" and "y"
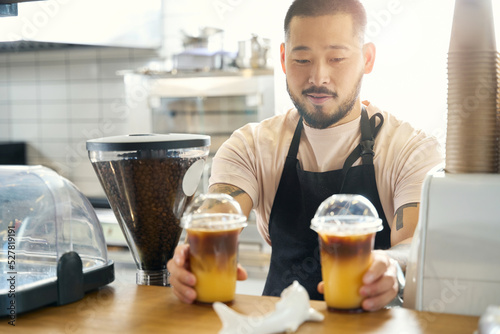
{"x": 319, "y": 90}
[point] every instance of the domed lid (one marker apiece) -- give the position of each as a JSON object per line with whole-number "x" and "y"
{"x": 214, "y": 212}
{"x": 346, "y": 214}
{"x": 56, "y": 236}
{"x": 148, "y": 142}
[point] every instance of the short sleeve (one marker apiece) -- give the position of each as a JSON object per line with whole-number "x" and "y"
{"x": 234, "y": 163}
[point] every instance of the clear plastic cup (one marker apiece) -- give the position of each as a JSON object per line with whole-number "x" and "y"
{"x": 213, "y": 223}
{"x": 346, "y": 226}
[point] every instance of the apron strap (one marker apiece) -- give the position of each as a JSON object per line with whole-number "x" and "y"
{"x": 294, "y": 145}
{"x": 369, "y": 131}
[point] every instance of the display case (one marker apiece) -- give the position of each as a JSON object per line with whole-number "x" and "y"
{"x": 53, "y": 248}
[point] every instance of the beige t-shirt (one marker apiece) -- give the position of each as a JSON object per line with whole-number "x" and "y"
{"x": 253, "y": 159}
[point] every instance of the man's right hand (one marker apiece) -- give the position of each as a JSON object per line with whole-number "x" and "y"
{"x": 182, "y": 280}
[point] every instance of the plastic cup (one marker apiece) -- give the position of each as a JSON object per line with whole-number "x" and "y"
{"x": 215, "y": 270}
{"x": 213, "y": 224}
{"x": 346, "y": 242}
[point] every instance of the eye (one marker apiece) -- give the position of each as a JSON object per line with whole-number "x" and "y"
{"x": 337, "y": 60}
{"x": 301, "y": 61}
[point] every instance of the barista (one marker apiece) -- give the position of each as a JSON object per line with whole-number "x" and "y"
{"x": 331, "y": 142}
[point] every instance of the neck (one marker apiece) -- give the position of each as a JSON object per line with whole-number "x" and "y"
{"x": 352, "y": 115}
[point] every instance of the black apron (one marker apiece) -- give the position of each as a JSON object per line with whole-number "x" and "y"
{"x": 295, "y": 247}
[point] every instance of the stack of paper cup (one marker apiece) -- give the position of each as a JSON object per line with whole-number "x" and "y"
{"x": 473, "y": 102}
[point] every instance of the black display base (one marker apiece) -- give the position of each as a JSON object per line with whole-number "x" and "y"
{"x": 70, "y": 286}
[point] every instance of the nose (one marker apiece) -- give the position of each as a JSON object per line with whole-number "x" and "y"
{"x": 320, "y": 74}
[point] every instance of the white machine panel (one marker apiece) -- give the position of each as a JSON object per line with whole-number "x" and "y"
{"x": 454, "y": 263}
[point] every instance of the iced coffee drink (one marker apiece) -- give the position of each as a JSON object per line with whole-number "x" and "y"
{"x": 213, "y": 223}
{"x": 344, "y": 261}
{"x": 213, "y": 260}
{"x": 346, "y": 227}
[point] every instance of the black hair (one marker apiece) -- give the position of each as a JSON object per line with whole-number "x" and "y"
{"x": 311, "y": 8}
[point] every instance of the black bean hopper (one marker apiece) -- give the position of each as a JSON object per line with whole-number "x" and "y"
{"x": 149, "y": 179}
{"x": 52, "y": 245}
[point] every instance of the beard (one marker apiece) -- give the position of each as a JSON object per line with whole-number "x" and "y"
{"x": 318, "y": 118}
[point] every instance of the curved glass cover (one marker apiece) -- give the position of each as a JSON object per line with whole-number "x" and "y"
{"x": 43, "y": 216}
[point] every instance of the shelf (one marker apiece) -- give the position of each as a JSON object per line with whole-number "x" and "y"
{"x": 196, "y": 74}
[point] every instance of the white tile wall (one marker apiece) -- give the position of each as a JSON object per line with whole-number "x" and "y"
{"x": 85, "y": 111}
{"x": 108, "y": 68}
{"x": 25, "y": 131}
{"x": 56, "y": 100}
{"x": 54, "y": 90}
{"x": 53, "y": 71}
{"x": 3, "y": 74}
{"x": 23, "y": 91}
{"x": 56, "y": 56}
{"x": 114, "y": 110}
{"x": 23, "y": 72}
{"x": 4, "y": 131}
{"x": 4, "y": 115}
{"x": 51, "y": 111}
{"x": 84, "y": 71}
{"x": 54, "y": 131}
{"x": 23, "y": 112}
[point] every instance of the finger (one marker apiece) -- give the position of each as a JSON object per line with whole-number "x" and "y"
{"x": 181, "y": 255}
{"x": 179, "y": 268}
{"x": 182, "y": 282}
{"x": 321, "y": 287}
{"x": 377, "y": 302}
{"x": 184, "y": 293}
{"x": 379, "y": 266}
{"x": 179, "y": 275}
{"x": 384, "y": 284}
{"x": 241, "y": 273}
{"x": 181, "y": 279}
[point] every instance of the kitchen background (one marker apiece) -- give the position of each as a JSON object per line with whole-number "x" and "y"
{"x": 55, "y": 99}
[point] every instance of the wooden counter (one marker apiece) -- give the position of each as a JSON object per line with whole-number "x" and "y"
{"x": 128, "y": 308}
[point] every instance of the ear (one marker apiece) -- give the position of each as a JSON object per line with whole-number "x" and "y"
{"x": 369, "y": 52}
{"x": 282, "y": 57}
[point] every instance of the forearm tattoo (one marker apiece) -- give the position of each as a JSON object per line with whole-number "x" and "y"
{"x": 226, "y": 189}
{"x": 399, "y": 214}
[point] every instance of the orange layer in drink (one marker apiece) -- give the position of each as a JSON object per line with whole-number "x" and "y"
{"x": 344, "y": 261}
{"x": 213, "y": 260}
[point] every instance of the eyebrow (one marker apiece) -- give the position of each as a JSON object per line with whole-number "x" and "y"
{"x": 332, "y": 47}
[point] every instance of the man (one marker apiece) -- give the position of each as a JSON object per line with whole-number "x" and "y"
{"x": 285, "y": 166}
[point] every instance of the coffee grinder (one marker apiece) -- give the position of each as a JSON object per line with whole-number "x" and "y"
{"x": 148, "y": 180}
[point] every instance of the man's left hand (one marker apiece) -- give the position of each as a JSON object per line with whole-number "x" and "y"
{"x": 380, "y": 284}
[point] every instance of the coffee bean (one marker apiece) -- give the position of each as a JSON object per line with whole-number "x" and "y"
{"x": 147, "y": 198}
